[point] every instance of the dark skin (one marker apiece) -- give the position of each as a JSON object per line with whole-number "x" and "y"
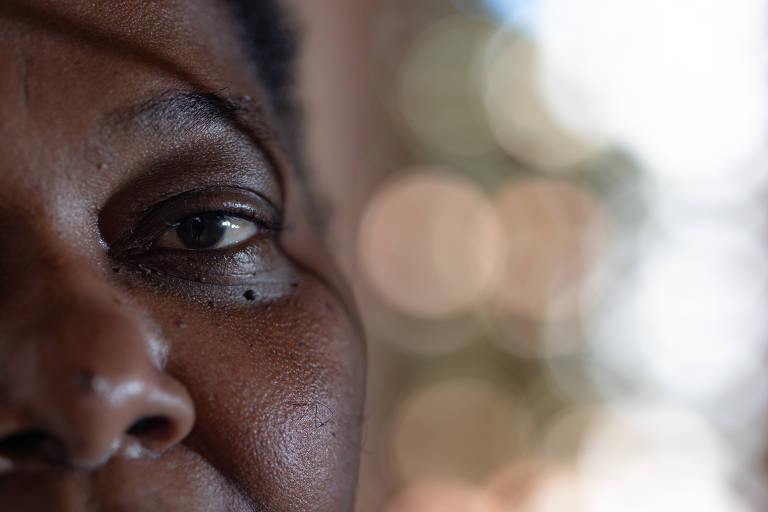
{"x": 142, "y": 367}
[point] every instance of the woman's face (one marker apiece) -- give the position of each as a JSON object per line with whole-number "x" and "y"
{"x": 173, "y": 336}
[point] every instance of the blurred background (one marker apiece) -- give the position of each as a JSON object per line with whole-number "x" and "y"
{"x": 553, "y": 216}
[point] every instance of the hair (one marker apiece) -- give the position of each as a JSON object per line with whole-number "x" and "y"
{"x": 271, "y": 42}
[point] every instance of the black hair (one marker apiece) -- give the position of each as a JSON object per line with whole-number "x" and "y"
{"x": 271, "y": 42}
{"x": 271, "y": 39}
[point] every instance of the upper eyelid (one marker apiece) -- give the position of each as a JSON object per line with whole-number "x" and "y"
{"x": 224, "y": 213}
{"x": 148, "y": 212}
{"x": 170, "y": 109}
{"x": 156, "y": 176}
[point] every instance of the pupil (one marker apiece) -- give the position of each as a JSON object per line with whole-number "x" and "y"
{"x": 201, "y": 231}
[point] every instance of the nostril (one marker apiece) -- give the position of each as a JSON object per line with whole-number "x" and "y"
{"x": 31, "y": 444}
{"x": 23, "y": 442}
{"x": 152, "y": 430}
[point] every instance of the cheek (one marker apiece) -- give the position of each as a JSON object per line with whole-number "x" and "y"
{"x": 278, "y": 392}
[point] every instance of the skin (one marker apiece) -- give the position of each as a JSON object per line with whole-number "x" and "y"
{"x": 135, "y": 376}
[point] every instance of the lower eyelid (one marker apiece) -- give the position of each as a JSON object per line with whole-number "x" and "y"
{"x": 252, "y": 263}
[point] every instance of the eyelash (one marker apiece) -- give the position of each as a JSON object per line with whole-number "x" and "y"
{"x": 249, "y": 257}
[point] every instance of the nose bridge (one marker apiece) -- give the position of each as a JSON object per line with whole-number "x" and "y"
{"x": 75, "y": 323}
{"x": 84, "y": 365}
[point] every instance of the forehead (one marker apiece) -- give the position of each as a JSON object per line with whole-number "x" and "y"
{"x": 99, "y": 52}
{"x": 164, "y": 28}
{"x": 66, "y": 67}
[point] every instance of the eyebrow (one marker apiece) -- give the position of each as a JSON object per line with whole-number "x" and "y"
{"x": 173, "y": 110}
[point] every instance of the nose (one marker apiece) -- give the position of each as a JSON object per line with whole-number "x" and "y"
{"x": 81, "y": 379}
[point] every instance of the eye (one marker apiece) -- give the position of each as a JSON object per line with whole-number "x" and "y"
{"x": 210, "y": 230}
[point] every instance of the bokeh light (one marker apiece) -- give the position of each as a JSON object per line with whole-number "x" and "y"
{"x": 438, "y": 93}
{"x": 558, "y": 492}
{"x": 655, "y": 458}
{"x": 534, "y": 486}
{"x": 418, "y": 335}
{"x": 517, "y": 112}
{"x": 518, "y": 13}
{"x": 459, "y": 428}
{"x": 556, "y": 234}
{"x": 651, "y": 77}
{"x": 429, "y": 243}
{"x": 528, "y": 337}
{"x": 564, "y": 433}
{"x": 687, "y": 322}
{"x": 585, "y": 224}
{"x": 574, "y": 377}
{"x": 437, "y": 496}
